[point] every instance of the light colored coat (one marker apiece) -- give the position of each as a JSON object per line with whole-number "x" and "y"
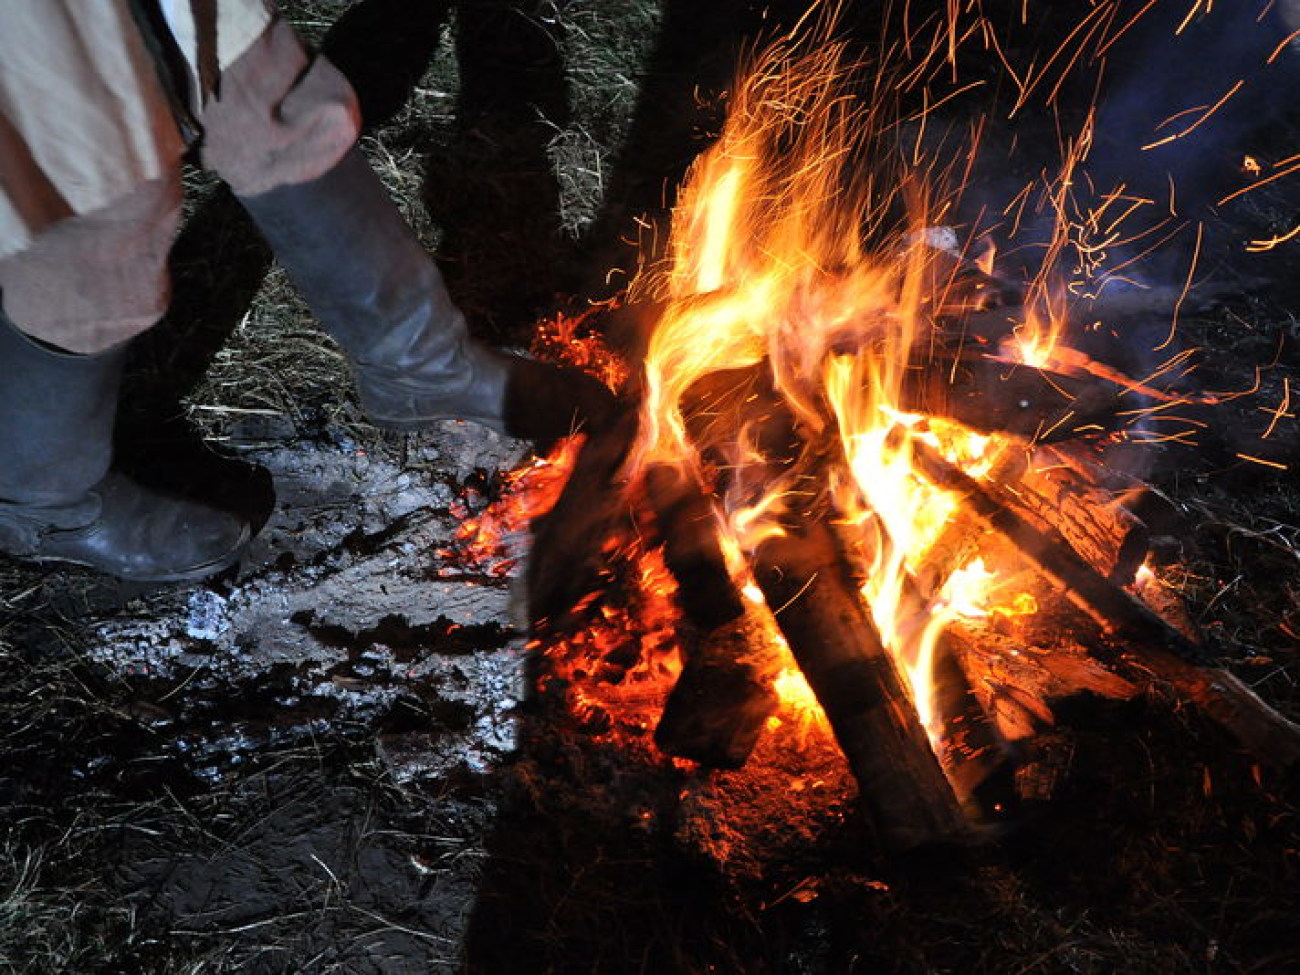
{"x": 84, "y": 119}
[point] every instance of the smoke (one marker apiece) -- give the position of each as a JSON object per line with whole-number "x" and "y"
{"x": 1181, "y": 98}
{"x": 1130, "y": 124}
{"x": 1135, "y": 133}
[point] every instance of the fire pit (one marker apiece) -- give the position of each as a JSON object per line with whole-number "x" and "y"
{"x": 865, "y": 472}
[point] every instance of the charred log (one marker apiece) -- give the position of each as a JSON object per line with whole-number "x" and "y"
{"x": 724, "y": 695}
{"x": 688, "y": 527}
{"x": 994, "y": 396}
{"x": 977, "y": 759}
{"x": 1269, "y": 736}
{"x": 570, "y": 542}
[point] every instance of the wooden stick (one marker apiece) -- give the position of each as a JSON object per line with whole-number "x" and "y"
{"x": 1269, "y": 736}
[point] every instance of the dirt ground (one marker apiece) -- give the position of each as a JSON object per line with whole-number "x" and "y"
{"x": 335, "y": 758}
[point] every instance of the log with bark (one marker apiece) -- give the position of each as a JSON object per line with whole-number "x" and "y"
{"x": 1170, "y": 655}
{"x": 1096, "y": 521}
{"x": 839, "y": 650}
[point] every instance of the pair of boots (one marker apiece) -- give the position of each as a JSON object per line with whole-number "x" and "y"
{"x": 376, "y": 291}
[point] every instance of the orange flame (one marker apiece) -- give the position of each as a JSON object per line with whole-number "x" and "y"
{"x": 769, "y": 265}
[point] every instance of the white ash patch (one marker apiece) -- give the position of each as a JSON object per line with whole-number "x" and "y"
{"x": 206, "y": 618}
{"x": 352, "y": 561}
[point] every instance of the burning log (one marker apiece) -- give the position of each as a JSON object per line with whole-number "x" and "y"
{"x": 708, "y": 597}
{"x": 994, "y": 396}
{"x": 1021, "y": 686}
{"x": 836, "y": 645}
{"x": 1105, "y": 533}
{"x": 976, "y": 757}
{"x": 1113, "y": 607}
{"x": 959, "y": 541}
{"x": 805, "y": 578}
{"x": 724, "y": 695}
{"x": 955, "y": 285}
{"x": 1169, "y": 655}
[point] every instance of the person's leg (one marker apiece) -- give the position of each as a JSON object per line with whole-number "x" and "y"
{"x": 280, "y": 134}
{"x": 93, "y": 282}
{"x": 69, "y": 304}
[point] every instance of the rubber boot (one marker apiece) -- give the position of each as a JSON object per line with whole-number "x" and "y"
{"x": 375, "y": 289}
{"x": 60, "y": 501}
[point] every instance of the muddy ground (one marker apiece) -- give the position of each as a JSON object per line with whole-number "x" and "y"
{"x": 334, "y": 758}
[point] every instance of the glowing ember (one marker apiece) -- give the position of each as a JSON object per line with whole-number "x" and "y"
{"x": 799, "y": 707}
{"x": 491, "y": 543}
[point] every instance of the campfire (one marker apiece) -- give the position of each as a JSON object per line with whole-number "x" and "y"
{"x": 865, "y": 491}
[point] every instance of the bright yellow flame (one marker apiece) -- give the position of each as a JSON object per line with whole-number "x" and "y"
{"x": 966, "y": 591}
{"x": 798, "y": 703}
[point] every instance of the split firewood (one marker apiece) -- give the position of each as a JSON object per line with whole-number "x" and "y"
{"x": 1021, "y": 685}
{"x": 976, "y": 757}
